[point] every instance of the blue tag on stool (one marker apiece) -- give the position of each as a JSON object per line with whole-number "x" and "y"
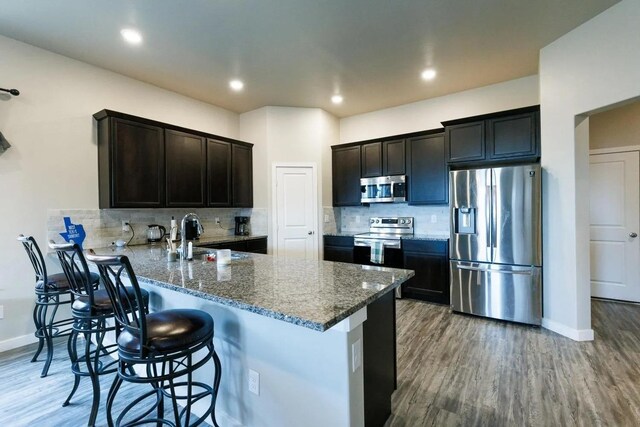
{"x": 75, "y": 232}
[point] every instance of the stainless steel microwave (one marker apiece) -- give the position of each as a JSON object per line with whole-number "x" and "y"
{"x": 383, "y": 189}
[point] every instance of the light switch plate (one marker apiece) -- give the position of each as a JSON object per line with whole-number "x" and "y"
{"x": 326, "y": 218}
{"x": 434, "y": 219}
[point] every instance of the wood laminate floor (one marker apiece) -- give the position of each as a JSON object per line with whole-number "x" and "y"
{"x": 461, "y": 370}
{"x": 452, "y": 370}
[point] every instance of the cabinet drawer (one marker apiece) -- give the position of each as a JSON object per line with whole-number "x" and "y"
{"x": 426, "y": 246}
{"x": 258, "y": 246}
{"x": 344, "y": 241}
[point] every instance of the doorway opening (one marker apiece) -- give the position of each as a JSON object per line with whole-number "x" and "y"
{"x": 614, "y": 210}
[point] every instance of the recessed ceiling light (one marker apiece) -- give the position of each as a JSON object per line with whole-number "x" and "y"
{"x": 236, "y": 85}
{"x": 337, "y": 99}
{"x": 429, "y": 74}
{"x": 131, "y": 36}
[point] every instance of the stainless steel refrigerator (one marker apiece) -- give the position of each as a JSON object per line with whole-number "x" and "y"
{"x": 496, "y": 245}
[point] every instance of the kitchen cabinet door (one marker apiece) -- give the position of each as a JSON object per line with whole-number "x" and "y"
{"x": 393, "y": 157}
{"x": 428, "y": 172}
{"x": 429, "y": 260}
{"x": 185, "y": 169}
{"x": 257, "y": 246}
{"x": 130, "y": 164}
{"x": 338, "y": 248}
{"x": 242, "y": 176}
{"x": 465, "y": 142}
{"x": 371, "y": 160}
{"x": 346, "y": 176}
{"x": 513, "y": 136}
{"x": 218, "y": 173}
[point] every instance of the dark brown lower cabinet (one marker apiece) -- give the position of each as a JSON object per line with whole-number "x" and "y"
{"x": 338, "y": 248}
{"x": 379, "y": 359}
{"x": 430, "y": 261}
{"x": 256, "y": 246}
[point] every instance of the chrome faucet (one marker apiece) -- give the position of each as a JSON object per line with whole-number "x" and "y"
{"x": 182, "y": 250}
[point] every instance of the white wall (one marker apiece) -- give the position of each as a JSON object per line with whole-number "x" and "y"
{"x": 619, "y": 127}
{"x": 53, "y": 159}
{"x": 289, "y": 135}
{"x": 428, "y": 114}
{"x": 592, "y": 67}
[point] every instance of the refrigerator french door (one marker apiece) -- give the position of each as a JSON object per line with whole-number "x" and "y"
{"x": 496, "y": 244}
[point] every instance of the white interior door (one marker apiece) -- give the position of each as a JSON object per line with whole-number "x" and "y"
{"x": 296, "y": 213}
{"x": 615, "y": 247}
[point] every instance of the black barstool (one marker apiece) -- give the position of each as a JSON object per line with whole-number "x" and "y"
{"x": 51, "y": 293}
{"x": 163, "y": 346}
{"x": 91, "y": 310}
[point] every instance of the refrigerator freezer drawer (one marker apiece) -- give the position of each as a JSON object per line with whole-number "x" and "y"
{"x": 499, "y": 291}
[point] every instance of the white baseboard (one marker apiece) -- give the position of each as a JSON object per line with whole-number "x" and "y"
{"x": 574, "y": 334}
{"x": 17, "y": 342}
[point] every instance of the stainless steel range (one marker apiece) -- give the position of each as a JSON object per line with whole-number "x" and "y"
{"x": 389, "y": 231}
{"x": 384, "y": 239}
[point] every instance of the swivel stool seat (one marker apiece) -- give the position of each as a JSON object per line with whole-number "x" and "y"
{"x": 93, "y": 318}
{"x": 52, "y": 292}
{"x": 161, "y": 349}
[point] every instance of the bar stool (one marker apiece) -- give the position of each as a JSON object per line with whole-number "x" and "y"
{"x": 52, "y": 291}
{"x": 91, "y": 310}
{"x": 163, "y": 346}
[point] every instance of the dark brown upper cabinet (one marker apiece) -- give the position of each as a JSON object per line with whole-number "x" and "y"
{"x": 466, "y": 142}
{"x": 144, "y": 163}
{"x": 513, "y": 136}
{"x": 501, "y": 137}
{"x": 130, "y": 164}
{"x": 371, "y": 160}
{"x": 346, "y": 175}
{"x": 242, "y": 175}
{"x": 393, "y": 157}
{"x": 428, "y": 175}
{"x": 218, "y": 173}
{"x": 186, "y": 169}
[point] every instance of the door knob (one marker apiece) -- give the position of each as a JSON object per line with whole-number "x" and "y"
{"x": 633, "y": 235}
{"x": 310, "y": 233}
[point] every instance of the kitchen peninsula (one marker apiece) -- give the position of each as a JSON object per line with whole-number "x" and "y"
{"x": 320, "y": 335}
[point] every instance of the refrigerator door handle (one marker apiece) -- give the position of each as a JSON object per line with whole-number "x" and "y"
{"x": 514, "y": 272}
{"x": 494, "y": 214}
{"x": 488, "y": 209}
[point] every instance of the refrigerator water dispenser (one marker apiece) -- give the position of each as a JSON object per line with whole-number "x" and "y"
{"x": 465, "y": 220}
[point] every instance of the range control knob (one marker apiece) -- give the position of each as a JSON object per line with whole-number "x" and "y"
{"x": 402, "y": 221}
{"x": 377, "y": 221}
{"x": 408, "y": 220}
{"x": 372, "y": 220}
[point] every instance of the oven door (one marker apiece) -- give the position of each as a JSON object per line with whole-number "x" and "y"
{"x": 392, "y": 255}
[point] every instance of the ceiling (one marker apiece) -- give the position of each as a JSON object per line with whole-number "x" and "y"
{"x": 300, "y": 52}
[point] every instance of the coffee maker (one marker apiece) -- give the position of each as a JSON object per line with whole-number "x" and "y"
{"x": 242, "y": 226}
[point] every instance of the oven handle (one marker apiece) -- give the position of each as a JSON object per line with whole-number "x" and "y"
{"x": 367, "y": 244}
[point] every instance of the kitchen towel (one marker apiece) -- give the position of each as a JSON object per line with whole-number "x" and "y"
{"x": 377, "y": 252}
{"x": 4, "y": 144}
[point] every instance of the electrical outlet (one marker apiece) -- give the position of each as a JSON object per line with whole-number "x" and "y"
{"x": 217, "y": 220}
{"x": 125, "y": 225}
{"x": 326, "y": 218}
{"x": 434, "y": 219}
{"x": 254, "y": 382}
{"x": 1, "y": 311}
{"x": 356, "y": 355}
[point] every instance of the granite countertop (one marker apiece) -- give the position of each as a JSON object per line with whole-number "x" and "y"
{"x": 312, "y": 294}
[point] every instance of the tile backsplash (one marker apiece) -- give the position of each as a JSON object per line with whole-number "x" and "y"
{"x": 427, "y": 219}
{"x": 104, "y": 226}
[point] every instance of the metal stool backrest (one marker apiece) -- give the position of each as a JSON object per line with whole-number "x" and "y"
{"x": 75, "y": 269}
{"x": 35, "y": 256}
{"x": 129, "y": 313}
